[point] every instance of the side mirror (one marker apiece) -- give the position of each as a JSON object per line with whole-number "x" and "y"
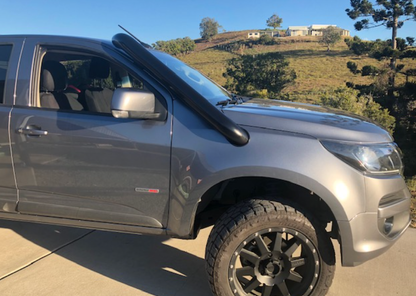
{"x": 133, "y": 103}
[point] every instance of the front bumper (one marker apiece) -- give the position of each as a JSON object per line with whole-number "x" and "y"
{"x": 370, "y": 234}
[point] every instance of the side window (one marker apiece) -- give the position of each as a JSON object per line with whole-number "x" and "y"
{"x": 5, "y": 51}
{"x": 81, "y": 82}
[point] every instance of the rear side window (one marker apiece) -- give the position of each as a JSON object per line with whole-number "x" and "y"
{"x": 5, "y": 51}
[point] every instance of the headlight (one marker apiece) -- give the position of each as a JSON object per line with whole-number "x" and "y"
{"x": 382, "y": 158}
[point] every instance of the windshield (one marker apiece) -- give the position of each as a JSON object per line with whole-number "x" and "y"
{"x": 207, "y": 88}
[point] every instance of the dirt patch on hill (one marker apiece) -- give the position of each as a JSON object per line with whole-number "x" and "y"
{"x": 222, "y": 38}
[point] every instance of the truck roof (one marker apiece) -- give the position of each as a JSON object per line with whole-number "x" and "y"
{"x": 45, "y": 37}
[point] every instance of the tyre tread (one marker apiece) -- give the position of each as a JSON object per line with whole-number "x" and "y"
{"x": 242, "y": 213}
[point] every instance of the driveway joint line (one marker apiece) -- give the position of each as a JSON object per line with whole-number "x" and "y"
{"x": 44, "y": 256}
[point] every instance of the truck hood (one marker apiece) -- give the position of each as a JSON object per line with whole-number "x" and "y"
{"x": 313, "y": 120}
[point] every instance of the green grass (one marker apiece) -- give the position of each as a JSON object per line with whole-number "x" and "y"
{"x": 317, "y": 70}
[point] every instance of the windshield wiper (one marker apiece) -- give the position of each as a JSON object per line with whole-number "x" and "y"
{"x": 233, "y": 100}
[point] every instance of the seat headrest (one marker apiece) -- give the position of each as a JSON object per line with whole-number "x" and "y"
{"x": 53, "y": 76}
{"x": 99, "y": 68}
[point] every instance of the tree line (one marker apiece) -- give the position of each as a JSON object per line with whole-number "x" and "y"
{"x": 176, "y": 46}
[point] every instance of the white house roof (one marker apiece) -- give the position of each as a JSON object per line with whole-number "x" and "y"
{"x": 320, "y": 27}
{"x": 298, "y": 28}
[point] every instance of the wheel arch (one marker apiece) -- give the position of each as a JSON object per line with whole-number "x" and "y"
{"x": 229, "y": 192}
{"x": 222, "y": 191}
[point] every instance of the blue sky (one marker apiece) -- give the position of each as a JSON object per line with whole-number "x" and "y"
{"x": 154, "y": 20}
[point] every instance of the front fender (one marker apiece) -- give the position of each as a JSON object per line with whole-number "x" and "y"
{"x": 199, "y": 163}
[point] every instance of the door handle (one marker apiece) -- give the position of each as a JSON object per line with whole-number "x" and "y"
{"x": 32, "y": 131}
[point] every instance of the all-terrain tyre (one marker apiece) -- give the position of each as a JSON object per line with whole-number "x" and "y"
{"x": 263, "y": 247}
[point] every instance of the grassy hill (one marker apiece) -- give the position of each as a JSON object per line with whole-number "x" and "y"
{"x": 317, "y": 70}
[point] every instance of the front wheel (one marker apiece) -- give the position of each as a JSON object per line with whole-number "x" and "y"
{"x": 265, "y": 248}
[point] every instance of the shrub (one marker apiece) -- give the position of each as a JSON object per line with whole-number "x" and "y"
{"x": 348, "y": 99}
{"x": 411, "y": 183}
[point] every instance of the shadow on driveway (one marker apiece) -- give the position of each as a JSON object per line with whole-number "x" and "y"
{"x": 151, "y": 264}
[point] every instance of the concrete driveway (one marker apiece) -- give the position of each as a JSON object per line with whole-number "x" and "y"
{"x": 50, "y": 260}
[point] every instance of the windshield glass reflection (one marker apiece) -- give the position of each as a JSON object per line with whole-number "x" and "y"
{"x": 207, "y": 88}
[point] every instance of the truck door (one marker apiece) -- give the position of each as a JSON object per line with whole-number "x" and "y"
{"x": 74, "y": 159}
{"x": 10, "y": 49}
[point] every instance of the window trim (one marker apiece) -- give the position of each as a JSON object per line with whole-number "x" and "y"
{"x": 43, "y": 50}
{"x": 3, "y": 94}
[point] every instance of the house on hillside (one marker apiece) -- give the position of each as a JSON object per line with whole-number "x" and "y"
{"x": 297, "y": 31}
{"x": 317, "y": 30}
{"x": 253, "y": 35}
{"x": 345, "y": 32}
{"x": 313, "y": 30}
{"x": 256, "y": 35}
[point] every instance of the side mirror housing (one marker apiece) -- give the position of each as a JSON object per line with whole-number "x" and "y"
{"x": 133, "y": 103}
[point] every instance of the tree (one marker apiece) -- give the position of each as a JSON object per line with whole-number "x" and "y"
{"x": 400, "y": 99}
{"x": 358, "y": 46}
{"x": 176, "y": 46}
{"x": 274, "y": 21}
{"x": 353, "y": 67}
{"x": 381, "y": 51}
{"x": 266, "y": 40}
{"x": 208, "y": 28}
{"x": 330, "y": 36}
{"x": 388, "y": 13}
{"x": 267, "y": 71}
{"x": 410, "y": 41}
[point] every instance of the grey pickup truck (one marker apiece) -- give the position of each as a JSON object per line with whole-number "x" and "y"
{"x": 117, "y": 136}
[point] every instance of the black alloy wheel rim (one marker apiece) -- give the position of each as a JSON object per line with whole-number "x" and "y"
{"x": 274, "y": 262}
